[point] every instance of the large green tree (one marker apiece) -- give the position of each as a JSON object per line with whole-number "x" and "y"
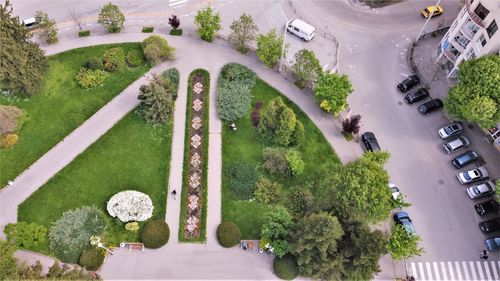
{"x": 269, "y": 48}
{"x": 8, "y": 264}
{"x": 306, "y": 68}
{"x": 315, "y": 239}
{"x": 401, "y": 245}
{"x": 243, "y": 31}
{"x": 279, "y": 124}
{"x": 331, "y": 92}
{"x": 111, "y": 17}
{"x": 476, "y": 96}
{"x": 157, "y": 103}
{"x": 359, "y": 189}
{"x": 48, "y": 28}
{"x": 208, "y": 23}
{"x": 22, "y": 62}
{"x": 277, "y": 224}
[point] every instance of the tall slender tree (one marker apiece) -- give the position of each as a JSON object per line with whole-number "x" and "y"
{"x": 243, "y": 31}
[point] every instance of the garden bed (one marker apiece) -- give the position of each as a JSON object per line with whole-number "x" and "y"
{"x": 192, "y": 223}
{"x": 62, "y": 105}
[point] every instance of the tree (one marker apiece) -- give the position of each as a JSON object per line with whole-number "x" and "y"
{"x": 351, "y": 125}
{"x": 403, "y": 245}
{"x": 8, "y": 263}
{"x": 111, "y": 18}
{"x": 24, "y": 235}
{"x": 331, "y": 92}
{"x": 174, "y": 22}
{"x": 269, "y": 47}
{"x": 157, "y": 101}
{"x": 156, "y": 49}
{"x": 277, "y": 224}
{"x": 23, "y": 62}
{"x": 77, "y": 19}
{"x": 48, "y": 29}
{"x": 268, "y": 191}
{"x": 476, "y": 96}
{"x": 299, "y": 202}
{"x": 314, "y": 244}
{"x": 359, "y": 189}
{"x": 208, "y": 23}
{"x": 306, "y": 68}
{"x": 242, "y": 32}
{"x": 278, "y": 123}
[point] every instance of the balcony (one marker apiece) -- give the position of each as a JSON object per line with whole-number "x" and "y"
{"x": 462, "y": 41}
{"x": 469, "y": 29}
{"x": 473, "y": 15}
{"x": 450, "y": 51}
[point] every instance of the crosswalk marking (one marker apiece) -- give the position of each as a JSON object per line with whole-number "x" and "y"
{"x": 450, "y": 268}
{"x": 428, "y": 267}
{"x": 421, "y": 268}
{"x": 173, "y": 3}
{"x": 480, "y": 270}
{"x": 487, "y": 268}
{"x": 443, "y": 270}
{"x": 457, "y": 266}
{"x": 473, "y": 270}
{"x": 466, "y": 271}
{"x": 436, "y": 271}
{"x": 456, "y": 270}
{"x": 494, "y": 267}
{"x": 414, "y": 269}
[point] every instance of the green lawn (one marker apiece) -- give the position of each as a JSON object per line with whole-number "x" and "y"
{"x": 61, "y": 106}
{"x": 245, "y": 144}
{"x": 132, "y": 155}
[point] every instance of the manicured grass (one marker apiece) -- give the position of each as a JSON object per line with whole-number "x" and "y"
{"x": 132, "y": 155}
{"x": 245, "y": 144}
{"x": 61, "y": 106}
{"x": 185, "y": 171}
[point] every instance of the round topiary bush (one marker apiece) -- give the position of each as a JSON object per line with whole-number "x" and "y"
{"x": 135, "y": 58}
{"x": 91, "y": 259}
{"x": 228, "y": 234}
{"x": 286, "y": 267}
{"x": 155, "y": 234}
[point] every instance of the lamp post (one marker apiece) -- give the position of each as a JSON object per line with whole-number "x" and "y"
{"x": 427, "y": 21}
{"x": 280, "y": 68}
{"x": 100, "y": 245}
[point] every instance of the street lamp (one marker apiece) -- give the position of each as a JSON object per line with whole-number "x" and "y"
{"x": 280, "y": 68}
{"x": 427, "y": 21}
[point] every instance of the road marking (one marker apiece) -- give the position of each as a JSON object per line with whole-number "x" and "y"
{"x": 421, "y": 271}
{"x": 494, "y": 268}
{"x": 414, "y": 270}
{"x": 466, "y": 271}
{"x": 457, "y": 266}
{"x": 436, "y": 270}
{"x": 487, "y": 268}
{"x": 480, "y": 269}
{"x": 450, "y": 267}
{"x": 473, "y": 270}
{"x": 173, "y": 3}
{"x": 428, "y": 267}
{"x": 443, "y": 270}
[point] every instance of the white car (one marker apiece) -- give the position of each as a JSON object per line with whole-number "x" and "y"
{"x": 481, "y": 190}
{"x": 450, "y": 130}
{"x": 394, "y": 191}
{"x": 472, "y": 175}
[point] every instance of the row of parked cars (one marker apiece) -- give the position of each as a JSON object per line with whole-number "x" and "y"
{"x": 418, "y": 95}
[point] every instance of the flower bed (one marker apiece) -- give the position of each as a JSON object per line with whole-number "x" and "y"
{"x": 130, "y": 205}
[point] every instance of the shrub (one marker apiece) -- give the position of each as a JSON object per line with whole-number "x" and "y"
{"x": 286, "y": 267}
{"x": 9, "y": 140}
{"x": 172, "y": 74}
{"x": 208, "y": 23}
{"x": 114, "y": 59}
{"x": 298, "y": 134}
{"x": 147, "y": 29}
{"x": 111, "y": 18}
{"x": 235, "y": 72}
{"x": 242, "y": 177}
{"x": 155, "y": 234}
{"x": 278, "y": 124}
{"x": 70, "y": 234}
{"x": 84, "y": 33}
{"x": 9, "y": 119}
{"x": 94, "y": 63}
{"x": 156, "y": 49}
{"x": 157, "y": 101}
{"x": 295, "y": 162}
{"x": 24, "y": 235}
{"x": 299, "y": 201}
{"x": 228, "y": 234}
{"x": 351, "y": 125}
{"x": 91, "y": 259}
{"x": 174, "y": 22}
{"x": 268, "y": 191}
{"x": 275, "y": 161}
{"x": 88, "y": 78}
{"x": 175, "y": 32}
{"x": 135, "y": 58}
{"x": 132, "y": 226}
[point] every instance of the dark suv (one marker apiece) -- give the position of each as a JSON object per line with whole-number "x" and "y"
{"x": 464, "y": 159}
{"x": 430, "y": 106}
{"x": 370, "y": 141}
{"x": 486, "y": 207}
{"x": 490, "y": 225}
{"x": 417, "y": 95}
{"x": 408, "y": 83}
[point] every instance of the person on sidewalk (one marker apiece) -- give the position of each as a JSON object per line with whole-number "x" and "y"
{"x": 173, "y": 193}
{"x": 483, "y": 255}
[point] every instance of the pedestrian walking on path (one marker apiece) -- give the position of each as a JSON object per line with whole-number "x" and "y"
{"x": 173, "y": 193}
{"x": 483, "y": 255}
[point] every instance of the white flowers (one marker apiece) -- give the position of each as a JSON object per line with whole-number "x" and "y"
{"x": 130, "y": 205}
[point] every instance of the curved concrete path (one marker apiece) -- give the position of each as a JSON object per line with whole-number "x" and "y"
{"x": 175, "y": 260}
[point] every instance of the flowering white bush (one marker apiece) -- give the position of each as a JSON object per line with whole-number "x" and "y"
{"x": 130, "y": 205}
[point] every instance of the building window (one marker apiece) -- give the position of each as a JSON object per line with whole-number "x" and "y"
{"x": 471, "y": 54}
{"x": 482, "y": 39}
{"x": 492, "y": 28}
{"x": 481, "y": 11}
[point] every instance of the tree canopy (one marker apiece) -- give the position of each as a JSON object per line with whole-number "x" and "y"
{"x": 279, "y": 124}
{"x": 243, "y": 31}
{"x": 306, "y": 68}
{"x": 111, "y": 17}
{"x": 401, "y": 245}
{"x": 157, "y": 102}
{"x": 269, "y": 47}
{"x": 48, "y": 28}
{"x": 331, "y": 92}
{"x": 208, "y": 23}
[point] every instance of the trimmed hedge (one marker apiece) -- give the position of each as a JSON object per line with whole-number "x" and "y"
{"x": 91, "y": 259}
{"x": 286, "y": 267}
{"x": 228, "y": 234}
{"x": 176, "y": 32}
{"x": 155, "y": 234}
{"x": 147, "y": 29}
{"x": 135, "y": 58}
{"x": 84, "y": 33}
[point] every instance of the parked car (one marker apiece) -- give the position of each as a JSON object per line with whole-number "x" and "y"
{"x": 30, "y": 23}
{"x": 301, "y": 29}
{"x": 394, "y": 191}
{"x": 450, "y": 130}
{"x": 370, "y": 141}
{"x": 408, "y": 83}
{"x": 486, "y": 207}
{"x": 456, "y": 144}
{"x": 464, "y": 159}
{"x": 492, "y": 244}
{"x": 404, "y": 219}
{"x": 481, "y": 190}
{"x": 427, "y": 12}
{"x": 417, "y": 95}
{"x": 430, "y": 106}
{"x": 490, "y": 225}
{"x": 473, "y": 175}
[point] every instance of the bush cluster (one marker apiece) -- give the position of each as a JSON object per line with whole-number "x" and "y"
{"x": 283, "y": 162}
{"x": 135, "y": 58}
{"x": 172, "y": 75}
{"x": 24, "y": 235}
{"x": 286, "y": 267}
{"x": 278, "y": 124}
{"x": 91, "y": 259}
{"x": 156, "y": 49}
{"x": 94, "y": 63}
{"x": 8, "y": 140}
{"x": 268, "y": 191}
{"x": 155, "y": 234}
{"x": 114, "y": 59}
{"x": 228, "y": 234}
{"x": 295, "y": 162}
{"x": 88, "y": 78}
{"x": 132, "y": 226}
{"x": 242, "y": 177}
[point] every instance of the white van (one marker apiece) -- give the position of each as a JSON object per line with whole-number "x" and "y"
{"x": 301, "y": 29}
{"x": 30, "y": 23}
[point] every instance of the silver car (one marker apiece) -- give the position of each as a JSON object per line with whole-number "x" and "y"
{"x": 450, "y": 130}
{"x": 481, "y": 190}
{"x": 472, "y": 175}
{"x": 456, "y": 144}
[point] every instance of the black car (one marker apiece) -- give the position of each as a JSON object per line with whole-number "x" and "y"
{"x": 408, "y": 83}
{"x": 430, "y": 106}
{"x": 464, "y": 159}
{"x": 370, "y": 141}
{"x": 417, "y": 95}
{"x": 490, "y": 225}
{"x": 490, "y": 206}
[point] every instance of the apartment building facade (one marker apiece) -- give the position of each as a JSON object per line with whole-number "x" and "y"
{"x": 473, "y": 33}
